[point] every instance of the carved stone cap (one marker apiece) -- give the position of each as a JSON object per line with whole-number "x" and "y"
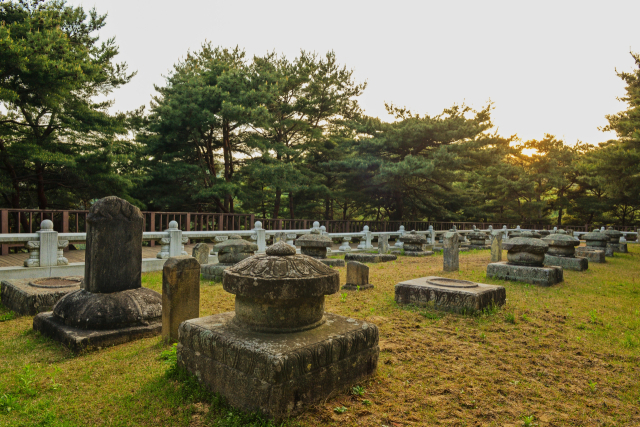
{"x": 112, "y": 207}
{"x": 315, "y": 239}
{"x": 614, "y": 235}
{"x": 238, "y": 245}
{"x": 281, "y": 276}
{"x": 413, "y": 237}
{"x": 526, "y": 244}
{"x": 596, "y": 235}
{"x": 562, "y": 240}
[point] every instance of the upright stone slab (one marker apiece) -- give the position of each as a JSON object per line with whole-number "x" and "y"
{"x": 451, "y": 251}
{"x": 357, "y": 277}
{"x": 496, "y": 246}
{"x": 201, "y": 253}
{"x": 383, "y": 244}
{"x": 112, "y": 307}
{"x": 180, "y": 293}
{"x": 279, "y": 352}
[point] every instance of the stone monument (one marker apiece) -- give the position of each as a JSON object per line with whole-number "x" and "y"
{"x": 413, "y": 244}
{"x": 111, "y": 307}
{"x": 201, "y": 253}
{"x": 451, "y": 251}
{"x": 357, "y": 277}
{"x": 449, "y": 294}
{"x": 279, "y": 352}
{"x": 596, "y": 246}
{"x": 525, "y": 258}
{"x": 496, "y": 246}
{"x": 315, "y": 245}
{"x": 614, "y": 244}
{"x": 180, "y": 293}
{"x": 562, "y": 252}
{"x": 230, "y": 252}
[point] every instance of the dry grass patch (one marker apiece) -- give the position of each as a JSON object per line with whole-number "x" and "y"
{"x": 565, "y": 355}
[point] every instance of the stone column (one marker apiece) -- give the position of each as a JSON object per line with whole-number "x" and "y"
{"x": 505, "y": 233}
{"x": 383, "y": 244}
{"x": 432, "y": 236}
{"x": 496, "y": 247}
{"x": 176, "y": 246}
{"x": 451, "y": 251}
{"x": 48, "y": 244}
{"x": 367, "y": 238}
{"x": 180, "y": 294}
{"x": 261, "y": 238}
{"x": 399, "y": 244}
{"x": 201, "y": 253}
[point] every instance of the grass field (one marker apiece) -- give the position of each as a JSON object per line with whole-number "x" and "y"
{"x": 568, "y": 355}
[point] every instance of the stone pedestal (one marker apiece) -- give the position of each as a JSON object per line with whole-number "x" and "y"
{"x": 592, "y": 254}
{"x": 279, "y": 351}
{"x": 315, "y": 245}
{"x": 230, "y": 252}
{"x": 413, "y": 244}
{"x": 617, "y": 247}
{"x": 567, "y": 263}
{"x": 201, "y": 253}
{"x": 449, "y": 294}
{"x": 180, "y": 293}
{"x": 370, "y": 258}
{"x": 541, "y": 276}
{"x": 451, "y": 252}
{"x": 357, "y": 277}
{"x": 111, "y": 307}
{"x": 28, "y": 297}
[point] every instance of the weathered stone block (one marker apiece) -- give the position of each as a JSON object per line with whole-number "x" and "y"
{"x": 451, "y": 252}
{"x": 592, "y": 254}
{"x": 278, "y": 374}
{"x": 370, "y": 258}
{"x": 541, "y": 276}
{"x": 449, "y": 294}
{"x": 567, "y": 263}
{"x": 383, "y": 244}
{"x": 357, "y": 277}
{"x": 618, "y": 247}
{"x": 180, "y": 293}
{"x": 201, "y": 253}
{"x": 29, "y": 297}
{"x": 214, "y": 272}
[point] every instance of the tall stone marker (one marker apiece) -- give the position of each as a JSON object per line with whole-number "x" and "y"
{"x": 496, "y": 246}
{"x": 383, "y": 244}
{"x": 201, "y": 253}
{"x": 111, "y": 307}
{"x": 357, "y": 277}
{"x": 451, "y": 242}
{"x": 180, "y": 294}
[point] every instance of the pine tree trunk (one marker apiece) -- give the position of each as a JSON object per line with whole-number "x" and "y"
{"x": 291, "y": 205}
{"x": 276, "y": 204}
{"x": 42, "y": 198}
{"x": 560, "y": 217}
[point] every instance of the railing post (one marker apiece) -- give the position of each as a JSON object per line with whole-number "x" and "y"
{"x": 398, "y": 243}
{"x": 174, "y": 244}
{"x": 49, "y": 248}
{"x": 261, "y": 236}
{"x": 367, "y": 236}
{"x": 505, "y": 232}
{"x": 65, "y": 221}
{"x": 152, "y": 226}
{"x": 221, "y": 222}
{"x": 253, "y": 221}
{"x": 188, "y": 226}
{"x": 432, "y": 235}
{"x": 4, "y": 217}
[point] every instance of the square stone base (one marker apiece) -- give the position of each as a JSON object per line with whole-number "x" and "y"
{"x": 350, "y": 287}
{"x": 85, "y": 339}
{"x": 541, "y": 276}
{"x": 592, "y": 255}
{"x": 370, "y": 258}
{"x": 213, "y": 272}
{"x": 278, "y": 374}
{"x": 567, "y": 263}
{"x": 28, "y": 300}
{"x": 420, "y": 292}
{"x": 333, "y": 262}
{"x": 618, "y": 247}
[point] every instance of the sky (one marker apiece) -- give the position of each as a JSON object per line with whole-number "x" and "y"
{"x": 547, "y": 66}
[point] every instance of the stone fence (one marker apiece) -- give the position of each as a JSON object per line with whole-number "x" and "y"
{"x": 46, "y": 246}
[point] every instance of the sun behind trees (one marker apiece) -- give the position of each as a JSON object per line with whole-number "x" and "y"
{"x": 278, "y": 137}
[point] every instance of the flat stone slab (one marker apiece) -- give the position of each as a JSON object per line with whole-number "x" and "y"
{"x": 449, "y": 294}
{"x": 370, "y": 258}
{"x": 417, "y": 254}
{"x": 29, "y": 297}
{"x": 91, "y": 339}
{"x": 567, "y": 263}
{"x": 541, "y": 276}
{"x": 278, "y": 374}
{"x": 333, "y": 262}
{"x": 592, "y": 255}
{"x": 213, "y": 272}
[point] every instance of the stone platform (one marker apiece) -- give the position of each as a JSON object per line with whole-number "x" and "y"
{"x": 29, "y": 297}
{"x": 567, "y": 263}
{"x": 370, "y": 258}
{"x": 91, "y": 339}
{"x": 277, "y": 374}
{"x": 213, "y": 272}
{"x": 333, "y": 262}
{"x": 593, "y": 255}
{"x": 449, "y": 294}
{"x": 541, "y": 276}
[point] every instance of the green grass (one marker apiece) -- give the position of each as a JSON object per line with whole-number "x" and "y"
{"x": 565, "y": 355}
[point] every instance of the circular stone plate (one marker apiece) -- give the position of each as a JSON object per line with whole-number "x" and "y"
{"x": 54, "y": 283}
{"x": 452, "y": 283}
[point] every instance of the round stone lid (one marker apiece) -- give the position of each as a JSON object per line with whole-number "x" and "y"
{"x": 526, "y": 244}
{"x": 55, "y": 282}
{"x": 235, "y": 244}
{"x": 413, "y": 237}
{"x": 596, "y": 235}
{"x": 530, "y": 234}
{"x": 562, "y": 240}
{"x": 613, "y": 233}
{"x": 314, "y": 239}
{"x": 477, "y": 235}
{"x": 281, "y": 274}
